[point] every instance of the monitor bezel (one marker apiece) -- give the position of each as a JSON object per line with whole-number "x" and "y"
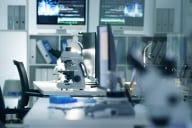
{"x": 124, "y": 29}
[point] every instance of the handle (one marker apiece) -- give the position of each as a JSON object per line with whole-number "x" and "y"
{"x": 83, "y": 69}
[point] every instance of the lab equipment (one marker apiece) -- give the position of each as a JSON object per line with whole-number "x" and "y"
{"x": 74, "y": 71}
{"x": 110, "y": 107}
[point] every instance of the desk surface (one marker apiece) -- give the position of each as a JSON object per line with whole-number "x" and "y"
{"x": 42, "y": 116}
{"x": 50, "y": 88}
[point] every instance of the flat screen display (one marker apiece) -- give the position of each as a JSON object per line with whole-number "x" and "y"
{"x": 122, "y": 12}
{"x": 102, "y": 56}
{"x": 105, "y": 55}
{"x": 61, "y": 12}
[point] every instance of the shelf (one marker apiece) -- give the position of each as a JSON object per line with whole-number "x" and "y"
{"x": 40, "y": 62}
{"x": 42, "y": 65}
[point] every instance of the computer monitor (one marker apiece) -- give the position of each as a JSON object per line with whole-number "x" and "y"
{"x": 122, "y": 14}
{"x": 61, "y": 14}
{"x": 105, "y": 55}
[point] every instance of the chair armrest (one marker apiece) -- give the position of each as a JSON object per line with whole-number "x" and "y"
{"x": 34, "y": 90}
{"x": 34, "y": 93}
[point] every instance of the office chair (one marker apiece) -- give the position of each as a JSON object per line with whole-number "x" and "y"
{"x": 26, "y": 92}
{"x": 4, "y": 111}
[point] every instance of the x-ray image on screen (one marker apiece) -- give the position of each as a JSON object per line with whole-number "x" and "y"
{"x": 61, "y": 12}
{"x": 48, "y": 8}
{"x": 122, "y": 12}
{"x": 133, "y": 9}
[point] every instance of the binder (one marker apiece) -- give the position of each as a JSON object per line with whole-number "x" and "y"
{"x": 32, "y": 53}
{"x": 51, "y": 74}
{"x": 43, "y": 52}
{"x": 156, "y": 46}
{"x": 161, "y": 53}
{"x": 48, "y": 47}
{"x": 44, "y": 74}
{"x": 63, "y": 44}
{"x": 41, "y": 74}
{"x": 38, "y": 76}
{"x": 120, "y": 47}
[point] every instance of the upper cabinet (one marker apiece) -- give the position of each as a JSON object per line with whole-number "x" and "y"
{"x": 13, "y": 15}
{"x": 164, "y": 20}
{"x": 167, "y": 17}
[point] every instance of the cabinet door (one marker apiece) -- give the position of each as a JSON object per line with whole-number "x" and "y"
{"x": 22, "y": 17}
{"x": 164, "y": 20}
{"x": 32, "y": 51}
{"x": 11, "y": 17}
{"x": 158, "y": 20}
{"x": 16, "y": 17}
{"x": 171, "y": 20}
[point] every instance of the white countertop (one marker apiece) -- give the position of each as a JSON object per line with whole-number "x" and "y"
{"x": 41, "y": 116}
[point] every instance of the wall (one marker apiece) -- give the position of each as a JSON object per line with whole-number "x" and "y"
{"x": 149, "y": 17}
{"x": 187, "y": 17}
{"x": 13, "y": 46}
{"x": 3, "y": 10}
{"x": 32, "y": 27}
{"x": 93, "y": 15}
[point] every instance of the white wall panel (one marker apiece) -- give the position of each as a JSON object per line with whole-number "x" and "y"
{"x": 13, "y": 46}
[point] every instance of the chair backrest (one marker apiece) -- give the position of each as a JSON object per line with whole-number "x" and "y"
{"x": 2, "y": 108}
{"x": 24, "y": 83}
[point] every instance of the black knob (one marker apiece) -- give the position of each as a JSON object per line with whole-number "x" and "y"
{"x": 77, "y": 79}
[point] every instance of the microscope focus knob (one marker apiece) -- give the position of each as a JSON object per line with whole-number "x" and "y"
{"x": 77, "y": 79}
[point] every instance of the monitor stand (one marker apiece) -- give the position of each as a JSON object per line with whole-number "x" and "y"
{"x": 61, "y": 31}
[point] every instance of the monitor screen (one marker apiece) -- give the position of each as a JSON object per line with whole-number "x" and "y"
{"x": 122, "y": 12}
{"x": 61, "y": 12}
{"x": 105, "y": 55}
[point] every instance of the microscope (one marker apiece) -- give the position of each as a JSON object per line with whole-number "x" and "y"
{"x": 74, "y": 71}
